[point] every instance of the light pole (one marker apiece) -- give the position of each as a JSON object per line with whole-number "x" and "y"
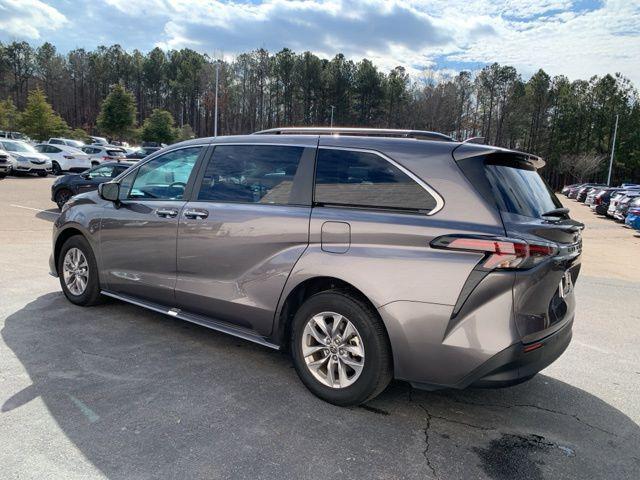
{"x": 332, "y": 109}
{"x": 215, "y": 108}
{"x": 613, "y": 149}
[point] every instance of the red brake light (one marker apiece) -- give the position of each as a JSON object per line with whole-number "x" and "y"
{"x": 500, "y": 253}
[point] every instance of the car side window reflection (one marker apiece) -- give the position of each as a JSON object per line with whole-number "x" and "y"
{"x": 101, "y": 172}
{"x": 250, "y": 174}
{"x": 165, "y": 177}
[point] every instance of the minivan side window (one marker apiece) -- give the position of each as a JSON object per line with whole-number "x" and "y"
{"x": 165, "y": 177}
{"x": 250, "y": 174}
{"x": 367, "y": 180}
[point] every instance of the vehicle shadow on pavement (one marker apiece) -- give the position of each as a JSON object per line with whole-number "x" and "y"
{"x": 50, "y": 214}
{"x": 144, "y": 395}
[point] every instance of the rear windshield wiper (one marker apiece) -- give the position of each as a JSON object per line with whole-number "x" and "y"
{"x": 556, "y": 212}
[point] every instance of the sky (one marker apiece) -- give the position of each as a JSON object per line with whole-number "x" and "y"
{"x": 577, "y": 38}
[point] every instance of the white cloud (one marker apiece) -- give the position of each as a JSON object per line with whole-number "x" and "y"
{"x": 27, "y": 18}
{"x": 578, "y": 38}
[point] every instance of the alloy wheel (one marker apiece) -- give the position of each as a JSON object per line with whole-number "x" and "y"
{"x": 332, "y": 349}
{"x": 75, "y": 271}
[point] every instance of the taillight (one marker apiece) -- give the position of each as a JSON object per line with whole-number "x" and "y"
{"x": 634, "y": 211}
{"x": 69, "y": 157}
{"x": 500, "y": 253}
{"x": 106, "y": 158}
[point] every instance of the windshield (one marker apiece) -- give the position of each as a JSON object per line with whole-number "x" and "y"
{"x": 18, "y": 147}
{"x": 518, "y": 188}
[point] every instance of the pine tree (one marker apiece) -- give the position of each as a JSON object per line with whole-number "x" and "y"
{"x": 39, "y": 121}
{"x": 118, "y": 113}
{"x": 158, "y": 127}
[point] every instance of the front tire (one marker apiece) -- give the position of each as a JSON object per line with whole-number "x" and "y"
{"x": 42, "y": 174}
{"x": 62, "y": 197}
{"x": 78, "y": 272}
{"x": 55, "y": 169}
{"x": 340, "y": 348}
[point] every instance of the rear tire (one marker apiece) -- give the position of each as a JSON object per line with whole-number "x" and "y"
{"x": 78, "y": 272}
{"x": 42, "y": 174}
{"x": 367, "y": 340}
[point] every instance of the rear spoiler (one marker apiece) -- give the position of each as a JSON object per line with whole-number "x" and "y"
{"x": 470, "y": 150}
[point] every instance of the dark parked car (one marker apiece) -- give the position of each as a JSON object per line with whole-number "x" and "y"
{"x": 142, "y": 152}
{"x": 567, "y": 188}
{"x": 344, "y": 247}
{"x": 573, "y": 191}
{"x": 69, "y": 185}
{"x": 601, "y": 201}
{"x": 584, "y": 191}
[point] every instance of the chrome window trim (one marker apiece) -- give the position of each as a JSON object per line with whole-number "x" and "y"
{"x": 431, "y": 191}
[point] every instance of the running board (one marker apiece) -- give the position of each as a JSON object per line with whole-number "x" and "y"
{"x": 197, "y": 319}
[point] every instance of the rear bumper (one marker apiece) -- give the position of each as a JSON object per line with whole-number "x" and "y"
{"x": 515, "y": 365}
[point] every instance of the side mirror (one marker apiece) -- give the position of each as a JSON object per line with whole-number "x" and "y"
{"x": 109, "y": 191}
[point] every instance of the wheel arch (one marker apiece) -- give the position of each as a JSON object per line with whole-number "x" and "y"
{"x": 305, "y": 289}
{"x": 63, "y": 236}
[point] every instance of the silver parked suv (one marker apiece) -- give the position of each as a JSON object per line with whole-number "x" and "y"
{"x": 368, "y": 254}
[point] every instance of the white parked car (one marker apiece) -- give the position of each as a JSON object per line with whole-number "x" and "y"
{"x": 6, "y": 163}
{"x": 26, "y": 158}
{"x": 98, "y": 140}
{"x": 64, "y": 158}
{"x": 104, "y": 153}
{"x": 66, "y": 141}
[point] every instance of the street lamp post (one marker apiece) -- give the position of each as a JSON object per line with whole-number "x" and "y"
{"x": 613, "y": 149}
{"x": 215, "y": 109}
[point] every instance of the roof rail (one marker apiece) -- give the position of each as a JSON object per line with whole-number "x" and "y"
{"x": 365, "y": 132}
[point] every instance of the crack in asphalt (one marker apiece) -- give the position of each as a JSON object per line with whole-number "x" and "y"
{"x": 425, "y": 452}
{"x": 96, "y": 354}
{"x": 536, "y": 407}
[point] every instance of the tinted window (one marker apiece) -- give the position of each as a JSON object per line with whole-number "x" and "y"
{"x": 363, "y": 179}
{"x": 250, "y": 174}
{"x": 118, "y": 170}
{"x": 56, "y": 141}
{"x": 518, "y": 188}
{"x": 166, "y": 176}
{"x": 105, "y": 171}
{"x": 115, "y": 153}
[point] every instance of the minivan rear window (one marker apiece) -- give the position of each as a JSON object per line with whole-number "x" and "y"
{"x": 518, "y": 188}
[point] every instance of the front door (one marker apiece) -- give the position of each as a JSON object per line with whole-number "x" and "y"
{"x": 243, "y": 232}
{"x": 138, "y": 235}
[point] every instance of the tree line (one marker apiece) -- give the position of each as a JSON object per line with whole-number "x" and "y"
{"x": 569, "y": 123}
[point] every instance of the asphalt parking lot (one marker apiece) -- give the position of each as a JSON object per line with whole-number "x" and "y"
{"x": 116, "y": 391}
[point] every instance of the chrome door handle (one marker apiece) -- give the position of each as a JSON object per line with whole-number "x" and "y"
{"x": 196, "y": 214}
{"x": 166, "y": 212}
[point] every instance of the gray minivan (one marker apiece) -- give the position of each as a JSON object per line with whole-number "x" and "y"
{"x": 368, "y": 254}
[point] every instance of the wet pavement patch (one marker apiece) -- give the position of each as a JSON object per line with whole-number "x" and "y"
{"x": 514, "y": 456}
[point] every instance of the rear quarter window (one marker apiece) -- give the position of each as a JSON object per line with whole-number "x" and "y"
{"x": 366, "y": 180}
{"x": 518, "y": 188}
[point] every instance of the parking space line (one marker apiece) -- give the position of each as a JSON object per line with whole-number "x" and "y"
{"x": 34, "y": 209}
